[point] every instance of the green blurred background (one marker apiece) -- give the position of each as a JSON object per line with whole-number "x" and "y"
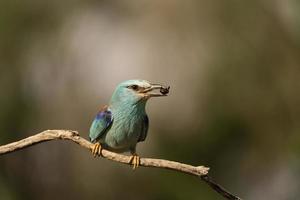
{"x": 233, "y": 67}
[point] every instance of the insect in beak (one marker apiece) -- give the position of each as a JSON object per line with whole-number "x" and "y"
{"x": 156, "y": 90}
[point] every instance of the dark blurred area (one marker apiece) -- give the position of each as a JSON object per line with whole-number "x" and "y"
{"x": 233, "y": 67}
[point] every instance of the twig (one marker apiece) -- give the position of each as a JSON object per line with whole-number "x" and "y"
{"x": 199, "y": 171}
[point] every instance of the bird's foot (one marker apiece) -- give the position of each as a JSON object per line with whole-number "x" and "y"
{"x": 97, "y": 149}
{"x": 135, "y": 161}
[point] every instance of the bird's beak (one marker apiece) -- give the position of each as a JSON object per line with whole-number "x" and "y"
{"x": 156, "y": 90}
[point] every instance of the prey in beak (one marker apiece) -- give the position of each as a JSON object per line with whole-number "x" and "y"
{"x": 155, "y": 90}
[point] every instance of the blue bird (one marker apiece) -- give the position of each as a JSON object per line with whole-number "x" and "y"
{"x": 123, "y": 123}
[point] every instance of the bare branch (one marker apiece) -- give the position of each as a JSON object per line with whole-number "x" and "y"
{"x": 199, "y": 171}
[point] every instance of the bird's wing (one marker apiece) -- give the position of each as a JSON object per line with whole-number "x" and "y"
{"x": 145, "y": 127}
{"x": 101, "y": 123}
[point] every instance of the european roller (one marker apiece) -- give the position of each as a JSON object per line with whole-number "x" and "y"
{"x": 121, "y": 124}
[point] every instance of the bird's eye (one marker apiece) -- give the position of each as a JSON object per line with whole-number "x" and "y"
{"x": 134, "y": 87}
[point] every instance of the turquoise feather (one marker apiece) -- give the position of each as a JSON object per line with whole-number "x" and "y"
{"x": 124, "y": 122}
{"x": 101, "y": 123}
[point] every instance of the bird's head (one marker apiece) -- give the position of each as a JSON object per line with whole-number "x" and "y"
{"x": 135, "y": 91}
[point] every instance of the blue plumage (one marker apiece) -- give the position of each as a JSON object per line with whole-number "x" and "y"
{"x": 124, "y": 122}
{"x": 101, "y": 123}
{"x": 144, "y": 130}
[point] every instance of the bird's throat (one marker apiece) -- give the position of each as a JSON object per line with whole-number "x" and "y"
{"x": 128, "y": 109}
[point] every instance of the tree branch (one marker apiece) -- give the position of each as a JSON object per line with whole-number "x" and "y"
{"x": 199, "y": 171}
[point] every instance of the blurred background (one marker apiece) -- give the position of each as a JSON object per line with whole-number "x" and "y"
{"x": 233, "y": 67}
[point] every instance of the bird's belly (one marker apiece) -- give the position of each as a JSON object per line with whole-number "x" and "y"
{"x": 123, "y": 138}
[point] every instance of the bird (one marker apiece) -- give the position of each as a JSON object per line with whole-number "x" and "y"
{"x": 123, "y": 123}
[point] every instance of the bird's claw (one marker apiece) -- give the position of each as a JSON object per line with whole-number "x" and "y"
{"x": 97, "y": 149}
{"x": 135, "y": 161}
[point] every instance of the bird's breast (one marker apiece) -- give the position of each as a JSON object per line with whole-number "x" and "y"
{"x": 124, "y": 132}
